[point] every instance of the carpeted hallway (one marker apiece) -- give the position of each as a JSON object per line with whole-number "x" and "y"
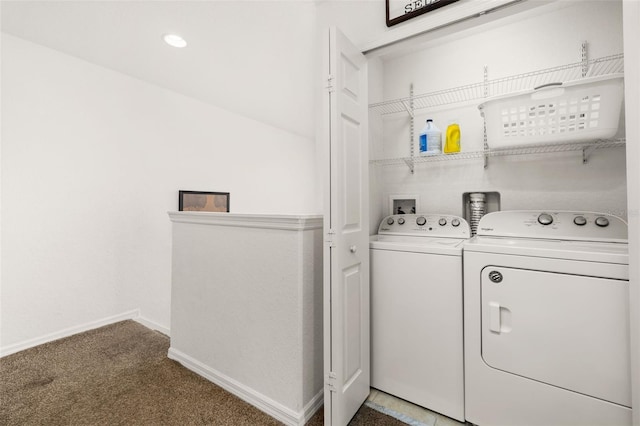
{"x": 120, "y": 375}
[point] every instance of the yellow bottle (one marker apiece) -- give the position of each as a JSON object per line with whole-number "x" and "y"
{"x": 452, "y": 142}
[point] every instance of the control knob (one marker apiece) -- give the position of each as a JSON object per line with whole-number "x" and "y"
{"x": 580, "y": 220}
{"x": 602, "y": 221}
{"x": 390, "y": 221}
{"x": 545, "y": 219}
{"x": 401, "y": 221}
{"x": 442, "y": 221}
{"x": 421, "y": 221}
{"x": 455, "y": 222}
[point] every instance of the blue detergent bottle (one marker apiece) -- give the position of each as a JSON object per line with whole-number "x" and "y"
{"x": 430, "y": 141}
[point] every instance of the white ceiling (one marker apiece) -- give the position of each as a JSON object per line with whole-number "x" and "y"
{"x": 253, "y": 58}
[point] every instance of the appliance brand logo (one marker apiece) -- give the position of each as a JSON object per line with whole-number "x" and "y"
{"x": 487, "y": 229}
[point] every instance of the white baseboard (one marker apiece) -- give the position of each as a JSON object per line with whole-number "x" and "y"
{"x": 17, "y": 347}
{"x": 314, "y": 405}
{"x": 258, "y": 400}
{"x": 153, "y": 325}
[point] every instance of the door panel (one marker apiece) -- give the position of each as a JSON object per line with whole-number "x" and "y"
{"x": 346, "y": 225}
{"x": 351, "y": 201}
{"x": 353, "y": 324}
{"x": 350, "y": 77}
{"x": 566, "y": 330}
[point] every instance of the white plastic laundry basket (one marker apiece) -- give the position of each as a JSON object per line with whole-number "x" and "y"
{"x": 581, "y": 110}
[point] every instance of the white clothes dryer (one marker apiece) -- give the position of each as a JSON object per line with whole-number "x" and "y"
{"x": 416, "y": 310}
{"x": 546, "y": 320}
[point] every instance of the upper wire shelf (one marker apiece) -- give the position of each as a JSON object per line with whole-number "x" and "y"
{"x": 595, "y": 67}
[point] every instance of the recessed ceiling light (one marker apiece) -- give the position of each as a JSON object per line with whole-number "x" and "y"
{"x": 174, "y": 40}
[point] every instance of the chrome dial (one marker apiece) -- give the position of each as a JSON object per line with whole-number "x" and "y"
{"x": 602, "y": 221}
{"x": 401, "y": 221}
{"x": 545, "y": 219}
{"x": 390, "y": 221}
{"x": 580, "y": 220}
{"x": 442, "y": 221}
{"x": 420, "y": 221}
{"x": 455, "y": 222}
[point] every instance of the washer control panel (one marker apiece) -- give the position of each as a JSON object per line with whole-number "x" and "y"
{"x": 559, "y": 225}
{"x": 436, "y": 225}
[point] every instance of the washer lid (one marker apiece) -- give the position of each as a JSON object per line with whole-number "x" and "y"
{"x": 416, "y": 244}
{"x": 589, "y": 251}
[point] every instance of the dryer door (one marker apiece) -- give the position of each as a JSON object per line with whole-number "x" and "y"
{"x": 565, "y": 330}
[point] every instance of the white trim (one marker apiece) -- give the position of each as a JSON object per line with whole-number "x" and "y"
{"x": 253, "y": 397}
{"x": 284, "y": 222}
{"x": 17, "y": 347}
{"x": 312, "y": 406}
{"x": 631, "y": 21}
{"x": 153, "y": 325}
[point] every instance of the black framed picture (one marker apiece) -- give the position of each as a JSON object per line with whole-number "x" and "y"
{"x": 199, "y": 201}
{"x": 402, "y": 10}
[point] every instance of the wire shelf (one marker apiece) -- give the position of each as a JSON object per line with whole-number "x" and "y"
{"x": 585, "y": 147}
{"x": 596, "y": 67}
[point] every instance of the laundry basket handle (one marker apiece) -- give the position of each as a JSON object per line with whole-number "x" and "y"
{"x": 552, "y": 90}
{"x": 548, "y": 85}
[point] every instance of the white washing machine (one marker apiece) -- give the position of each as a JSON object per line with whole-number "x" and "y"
{"x": 546, "y": 320}
{"x": 416, "y": 310}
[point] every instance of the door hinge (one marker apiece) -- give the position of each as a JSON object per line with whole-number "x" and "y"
{"x": 331, "y": 381}
{"x": 329, "y": 238}
{"x": 330, "y": 80}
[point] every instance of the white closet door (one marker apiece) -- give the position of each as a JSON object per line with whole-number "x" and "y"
{"x": 346, "y": 227}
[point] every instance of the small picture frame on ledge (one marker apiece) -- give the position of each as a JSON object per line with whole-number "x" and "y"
{"x": 198, "y": 201}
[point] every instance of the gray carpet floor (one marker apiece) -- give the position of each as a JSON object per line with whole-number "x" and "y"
{"x": 120, "y": 375}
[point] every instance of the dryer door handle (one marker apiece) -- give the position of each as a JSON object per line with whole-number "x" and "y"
{"x": 499, "y": 318}
{"x": 494, "y": 317}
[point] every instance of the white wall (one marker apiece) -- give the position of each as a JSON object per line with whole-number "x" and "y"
{"x": 250, "y": 57}
{"x": 91, "y": 162}
{"x": 551, "y": 181}
{"x": 246, "y": 308}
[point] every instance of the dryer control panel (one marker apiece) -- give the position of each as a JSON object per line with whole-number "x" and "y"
{"x": 555, "y": 225}
{"x": 433, "y": 225}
